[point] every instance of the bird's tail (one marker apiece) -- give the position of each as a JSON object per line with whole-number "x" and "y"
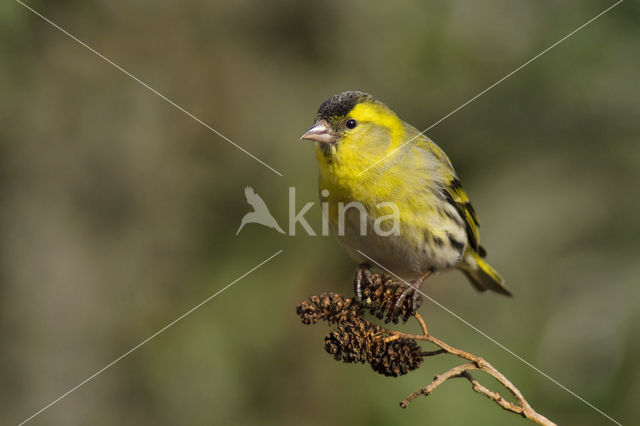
{"x": 482, "y": 276}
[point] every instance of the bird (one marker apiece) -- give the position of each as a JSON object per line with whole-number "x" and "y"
{"x": 260, "y": 213}
{"x": 368, "y": 155}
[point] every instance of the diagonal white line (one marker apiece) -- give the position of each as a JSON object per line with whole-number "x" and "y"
{"x": 467, "y": 323}
{"x": 93, "y": 376}
{"x": 491, "y": 87}
{"x": 146, "y": 86}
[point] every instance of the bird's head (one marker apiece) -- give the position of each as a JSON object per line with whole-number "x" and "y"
{"x": 355, "y": 129}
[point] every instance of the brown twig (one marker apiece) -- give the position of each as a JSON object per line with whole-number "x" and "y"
{"x": 522, "y": 407}
{"x": 433, "y": 353}
{"x": 355, "y": 339}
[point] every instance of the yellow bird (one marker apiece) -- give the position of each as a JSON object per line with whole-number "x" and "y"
{"x": 396, "y": 176}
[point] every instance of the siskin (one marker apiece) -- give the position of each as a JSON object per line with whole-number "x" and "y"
{"x": 437, "y": 228}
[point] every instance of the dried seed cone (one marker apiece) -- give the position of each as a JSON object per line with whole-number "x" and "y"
{"x": 380, "y": 294}
{"x": 330, "y": 307}
{"x": 356, "y": 341}
{"x": 363, "y": 341}
{"x": 398, "y": 358}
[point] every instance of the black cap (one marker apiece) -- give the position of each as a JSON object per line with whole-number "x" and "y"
{"x": 341, "y": 104}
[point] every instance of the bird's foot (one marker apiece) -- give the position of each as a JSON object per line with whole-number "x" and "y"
{"x": 363, "y": 275}
{"x": 413, "y": 290}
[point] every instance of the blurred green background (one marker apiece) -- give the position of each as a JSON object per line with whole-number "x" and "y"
{"x": 119, "y": 212}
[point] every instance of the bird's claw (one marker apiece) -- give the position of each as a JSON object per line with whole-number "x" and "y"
{"x": 412, "y": 290}
{"x": 363, "y": 275}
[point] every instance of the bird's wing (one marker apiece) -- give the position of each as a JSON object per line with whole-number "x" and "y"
{"x": 451, "y": 189}
{"x": 254, "y": 199}
{"x": 456, "y": 196}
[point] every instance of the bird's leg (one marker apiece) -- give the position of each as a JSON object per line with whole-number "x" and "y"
{"x": 363, "y": 274}
{"x": 413, "y": 288}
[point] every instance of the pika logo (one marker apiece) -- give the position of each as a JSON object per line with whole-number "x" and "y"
{"x": 260, "y": 213}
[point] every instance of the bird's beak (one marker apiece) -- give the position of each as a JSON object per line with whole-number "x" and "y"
{"x": 320, "y": 132}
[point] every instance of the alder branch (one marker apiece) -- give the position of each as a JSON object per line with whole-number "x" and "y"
{"x": 355, "y": 339}
{"x": 522, "y": 407}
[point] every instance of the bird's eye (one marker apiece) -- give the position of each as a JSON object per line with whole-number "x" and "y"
{"x": 351, "y": 124}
